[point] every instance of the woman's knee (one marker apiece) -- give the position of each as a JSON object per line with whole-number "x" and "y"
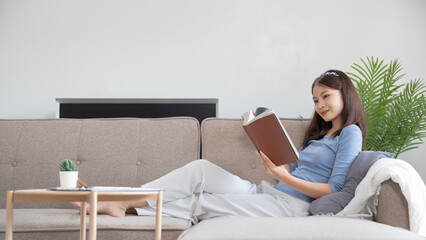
{"x": 200, "y": 162}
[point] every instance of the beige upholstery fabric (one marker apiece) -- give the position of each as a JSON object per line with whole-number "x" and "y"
{"x": 103, "y": 234}
{"x": 327, "y": 228}
{"x": 45, "y": 220}
{"x": 225, "y": 143}
{"x": 65, "y": 224}
{"x": 392, "y": 206}
{"x": 114, "y": 152}
{"x": 123, "y": 152}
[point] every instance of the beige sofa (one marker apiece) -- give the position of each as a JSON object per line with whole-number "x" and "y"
{"x": 129, "y": 152}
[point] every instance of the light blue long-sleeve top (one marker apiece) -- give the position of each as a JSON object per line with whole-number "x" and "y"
{"x": 326, "y": 160}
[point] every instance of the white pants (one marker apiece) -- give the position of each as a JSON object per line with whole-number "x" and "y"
{"x": 201, "y": 190}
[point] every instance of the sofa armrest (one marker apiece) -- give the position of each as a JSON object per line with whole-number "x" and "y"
{"x": 392, "y": 208}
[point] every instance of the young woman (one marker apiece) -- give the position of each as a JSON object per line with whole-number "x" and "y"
{"x": 201, "y": 190}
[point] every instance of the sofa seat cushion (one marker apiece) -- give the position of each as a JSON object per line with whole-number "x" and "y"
{"x": 313, "y": 227}
{"x": 42, "y": 220}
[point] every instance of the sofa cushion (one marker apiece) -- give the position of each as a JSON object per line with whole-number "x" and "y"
{"x": 335, "y": 202}
{"x": 43, "y": 221}
{"x": 313, "y": 227}
{"x": 225, "y": 143}
{"x": 111, "y": 152}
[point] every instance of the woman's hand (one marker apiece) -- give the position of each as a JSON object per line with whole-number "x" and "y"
{"x": 280, "y": 173}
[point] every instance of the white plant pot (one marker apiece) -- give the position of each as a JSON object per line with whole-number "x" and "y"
{"x": 68, "y": 179}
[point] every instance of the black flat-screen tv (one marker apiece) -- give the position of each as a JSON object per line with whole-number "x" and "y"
{"x": 139, "y": 108}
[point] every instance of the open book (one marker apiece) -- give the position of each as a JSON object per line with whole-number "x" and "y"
{"x": 269, "y": 136}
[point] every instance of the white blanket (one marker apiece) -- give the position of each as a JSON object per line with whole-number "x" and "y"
{"x": 413, "y": 188}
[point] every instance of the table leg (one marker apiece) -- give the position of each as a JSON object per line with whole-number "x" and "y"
{"x": 83, "y": 221}
{"x": 9, "y": 216}
{"x": 158, "y": 215}
{"x": 93, "y": 215}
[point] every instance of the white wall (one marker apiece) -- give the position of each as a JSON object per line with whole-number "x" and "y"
{"x": 245, "y": 53}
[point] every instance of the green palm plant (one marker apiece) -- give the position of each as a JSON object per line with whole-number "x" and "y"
{"x": 395, "y": 113}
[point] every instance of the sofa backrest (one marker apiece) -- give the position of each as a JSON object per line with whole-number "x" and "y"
{"x": 123, "y": 152}
{"x": 225, "y": 143}
{"x": 111, "y": 152}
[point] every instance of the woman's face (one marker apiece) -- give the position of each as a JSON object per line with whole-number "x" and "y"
{"x": 328, "y": 104}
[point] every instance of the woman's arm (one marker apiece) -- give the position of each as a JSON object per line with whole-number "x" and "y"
{"x": 287, "y": 167}
{"x": 282, "y": 173}
{"x": 349, "y": 146}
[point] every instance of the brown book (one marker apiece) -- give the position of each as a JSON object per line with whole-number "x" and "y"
{"x": 269, "y": 136}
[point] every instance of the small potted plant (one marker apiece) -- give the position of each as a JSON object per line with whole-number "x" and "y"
{"x": 68, "y": 174}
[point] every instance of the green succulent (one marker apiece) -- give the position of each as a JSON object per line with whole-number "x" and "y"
{"x": 68, "y": 165}
{"x": 396, "y": 113}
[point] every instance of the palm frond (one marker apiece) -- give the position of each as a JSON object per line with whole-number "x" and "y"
{"x": 396, "y": 120}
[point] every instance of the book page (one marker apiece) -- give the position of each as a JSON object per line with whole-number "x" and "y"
{"x": 249, "y": 116}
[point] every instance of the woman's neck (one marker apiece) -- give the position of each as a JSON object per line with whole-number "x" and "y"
{"x": 336, "y": 126}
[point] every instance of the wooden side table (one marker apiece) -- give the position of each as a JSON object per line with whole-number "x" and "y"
{"x": 92, "y": 197}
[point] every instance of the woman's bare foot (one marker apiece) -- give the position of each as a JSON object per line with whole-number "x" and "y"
{"x": 115, "y": 209}
{"x": 80, "y": 183}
